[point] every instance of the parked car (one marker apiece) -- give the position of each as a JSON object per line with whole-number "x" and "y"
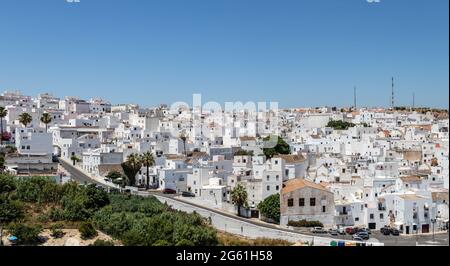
{"x": 395, "y": 232}
{"x": 357, "y": 238}
{"x": 169, "y": 191}
{"x": 385, "y": 230}
{"x": 318, "y": 230}
{"x": 351, "y": 230}
{"x": 341, "y": 230}
{"x": 333, "y": 232}
{"x": 367, "y": 230}
{"x": 187, "y": 194}
{"x": 363, "y": 235}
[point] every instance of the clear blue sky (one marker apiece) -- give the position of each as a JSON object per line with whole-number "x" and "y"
{"x": 296, "y": 52}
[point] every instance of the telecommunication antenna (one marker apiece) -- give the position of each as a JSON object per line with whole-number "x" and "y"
{"x": 354, "y": 98}
{"x": 392, "y": 98}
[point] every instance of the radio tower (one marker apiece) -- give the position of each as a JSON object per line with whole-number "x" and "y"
{"x": 392, "y": 99}
{"x": 354, "y": 98}
{"x": 414, "y": 100}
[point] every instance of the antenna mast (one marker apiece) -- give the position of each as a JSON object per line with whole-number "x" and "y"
{"x": 392, "y": 99}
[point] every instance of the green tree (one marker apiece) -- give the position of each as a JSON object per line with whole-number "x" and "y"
{"x": 3, "y": 114}
{"x": 7, "y": 183}
{"x": 25, "y": 119}
{"x": 131, "y": 167}
{"x": 10, "y": 210}
{"x": 239, "y": 197}
{"x": 116, "y": 177}
{"x": 280, "y": 148}
{"x": 96, "y": 198}
{"x": 46, "y": 119}
{"x": 148, "y": 161}
{"x": 270, "y": 207}
{"x": 340, "y": 125}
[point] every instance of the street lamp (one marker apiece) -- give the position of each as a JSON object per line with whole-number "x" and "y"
{"x": 433, "y": 221}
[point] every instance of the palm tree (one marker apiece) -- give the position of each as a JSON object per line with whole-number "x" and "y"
{"x": 3, "y": 114}
{"x": 183, "y": 137}
{"x": 239, "y": 197}
{"x": 25, "y": 119}
{"x": 46, "y": 118}
{"x": 131, "y": 167}
{"x": 147, "y": 160}
{"x": 74, "y": 159}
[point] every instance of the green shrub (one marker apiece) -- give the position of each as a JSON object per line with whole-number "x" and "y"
{"x": 87, "y": 230}
{"x": 56, "y": 230}
{"x": 7, "y": 183}
{"x": 102, "y": 243}
{"x": 56, "y": 214}
{"x": 10, "y": 210}
{"x": 26, "y": 234}
{"x": 305, "y": 223}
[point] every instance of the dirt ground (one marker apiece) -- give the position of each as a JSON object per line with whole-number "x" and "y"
{"x": 71, "y": 238}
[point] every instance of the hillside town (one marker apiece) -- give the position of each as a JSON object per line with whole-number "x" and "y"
{"x": 371, "y": 168}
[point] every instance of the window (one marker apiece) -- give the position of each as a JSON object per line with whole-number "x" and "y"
{"x": 312, "y": 202}
{"x": 324, "y": 208}
{"x": 371, "y": 216}
{"x": 277, "y": 188}
{"x": 276, "y": 161}
{"x": 268, "y": 177}
{"x": 290, "y": 202}
{"x": 301, "y": 202}
{"x": 356, "y": 219}
{"x": 268, "y": 188}
{"x": 381, "y": 216}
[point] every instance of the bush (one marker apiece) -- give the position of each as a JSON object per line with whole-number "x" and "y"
{"x": 56, "y": 214}
{"x": 10, "y": 210}
{"x": 87, "y": 230}
{"x": 56, "y": 230}
{"x": 26, "y": 235}
{"x": 305, "y": 223}
{"x": 102, "y": 243}
{"x": 38, "y": 189}
{"x": 7, "y": 183}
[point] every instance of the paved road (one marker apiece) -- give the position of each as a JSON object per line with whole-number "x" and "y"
{"x": 242, "y": 226}
{"x": 78, "y": 175}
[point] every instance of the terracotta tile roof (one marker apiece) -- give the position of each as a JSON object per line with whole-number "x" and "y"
{"x": 247, "y": 138}
{"x": 439, "y": 196}
{"x": 298, "y": 183}
{"x": 410, "y": 197}
{"x": 174, "y": 157}
{"x": 289, "y": 158}
{"x": 411, "y": 178}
